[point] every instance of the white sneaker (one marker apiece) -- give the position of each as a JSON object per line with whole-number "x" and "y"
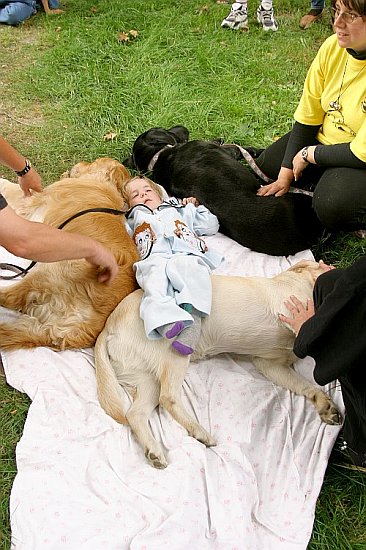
{"x": 237, "y": 18}
{"x": 266, "y": 19}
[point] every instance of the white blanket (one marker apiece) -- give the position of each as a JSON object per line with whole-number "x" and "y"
{"x": 83, "y": 482}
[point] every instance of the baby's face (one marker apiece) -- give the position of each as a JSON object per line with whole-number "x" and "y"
{"x": 140, "y": 192}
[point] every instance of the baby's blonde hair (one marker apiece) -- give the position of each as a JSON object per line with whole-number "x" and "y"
{"x": 154, "y": 186}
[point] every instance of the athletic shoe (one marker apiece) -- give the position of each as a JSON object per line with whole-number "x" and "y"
{"x": 266, "y": 19}
{"x": 237, "y": 18}
{"x": 307, "y": 20}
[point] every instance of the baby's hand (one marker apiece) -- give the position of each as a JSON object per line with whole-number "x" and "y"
{"x": 192, "y": 200}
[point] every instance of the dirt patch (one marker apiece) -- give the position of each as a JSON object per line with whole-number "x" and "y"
{"x": 18, "y": 114}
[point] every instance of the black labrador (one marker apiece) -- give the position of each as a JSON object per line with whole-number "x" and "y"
{"x": 213, "y": 173}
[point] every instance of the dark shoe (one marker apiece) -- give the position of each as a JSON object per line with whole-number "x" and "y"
{"x": 344, "y": 457}
{"x": 310, "y": 18}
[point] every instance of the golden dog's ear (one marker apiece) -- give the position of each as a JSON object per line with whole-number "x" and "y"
{"x": 118, "y": 175}
{"x": 78, "y": 169}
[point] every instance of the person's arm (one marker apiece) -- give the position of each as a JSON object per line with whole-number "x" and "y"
{"x": 43, "y": 243}
{"x": 15, "y": 161}
{"x": 48, "y": 10}
{"x": 338, "y": 154}
{"x": 204, "y": 222}
{"x": 301, "y": 135}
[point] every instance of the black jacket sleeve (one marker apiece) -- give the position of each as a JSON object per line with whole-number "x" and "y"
{"x": 339, "y": 154}
{"x": 336, "y": 335}
{"x": 301, "y": 135}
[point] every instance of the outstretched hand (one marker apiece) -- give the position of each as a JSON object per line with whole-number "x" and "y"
{"x": 299, "y": 313}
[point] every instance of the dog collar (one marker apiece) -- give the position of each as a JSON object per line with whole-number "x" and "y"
{"x": 156, "y": 156}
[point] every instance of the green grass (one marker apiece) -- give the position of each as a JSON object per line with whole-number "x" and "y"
{"x": 67, "y": 81}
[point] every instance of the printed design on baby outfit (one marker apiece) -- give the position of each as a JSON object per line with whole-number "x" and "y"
{"x": 183, "y": 232}
{"x": 144, "y": 238}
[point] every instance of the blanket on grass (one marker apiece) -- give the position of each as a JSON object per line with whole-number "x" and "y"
{"x": 83, "y": 482}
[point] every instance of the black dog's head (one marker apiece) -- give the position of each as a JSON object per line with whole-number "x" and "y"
{"x": 152, "y": 141}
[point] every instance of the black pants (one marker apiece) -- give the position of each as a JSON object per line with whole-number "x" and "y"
{"x": 339, "y": 198}
{"x": 353, "y": 380}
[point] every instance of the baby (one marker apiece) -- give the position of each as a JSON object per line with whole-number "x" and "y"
{"x": 175, "y": 264}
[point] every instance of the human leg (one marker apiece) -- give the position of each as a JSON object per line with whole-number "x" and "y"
{"x": 340, "y": 199}
{"x": 159, "y": 309}
{"x": 15, "y": 12}
{"x": 315, "y": 13}
{"x": 265, "y": 16}
{"x": 353, "y": 387}
{"x": 191, "y": 279}
{"x": 238, "y": 16}
{"x": 187, "y": 340}
{"x": 345, "y": 360}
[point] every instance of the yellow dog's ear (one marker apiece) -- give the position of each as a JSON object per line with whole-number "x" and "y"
{"x": 302, "y": 265}
{"x": 314, "y": 269}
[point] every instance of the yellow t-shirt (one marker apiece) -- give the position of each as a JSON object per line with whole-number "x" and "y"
{"x": 336, "y": 76}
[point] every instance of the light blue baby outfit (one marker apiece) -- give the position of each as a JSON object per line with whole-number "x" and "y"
{"x": 175, "y": 265}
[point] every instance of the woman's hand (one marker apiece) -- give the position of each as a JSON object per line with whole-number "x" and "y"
{"x": 280, "y": 186}
{"x": 299, "y": 312}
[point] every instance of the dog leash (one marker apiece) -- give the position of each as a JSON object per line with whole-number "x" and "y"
{"x": 251, "y": 162}
{"x": 20, "y": 272}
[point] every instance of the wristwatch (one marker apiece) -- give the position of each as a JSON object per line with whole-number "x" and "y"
{"x": 25, "y": 170}
{"x": 304, "y": 154}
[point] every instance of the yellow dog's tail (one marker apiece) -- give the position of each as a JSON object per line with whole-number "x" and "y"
{"x": 109, "y": 390}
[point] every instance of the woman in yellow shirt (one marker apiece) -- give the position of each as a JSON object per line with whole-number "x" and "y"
{"x": 326, "y": 150}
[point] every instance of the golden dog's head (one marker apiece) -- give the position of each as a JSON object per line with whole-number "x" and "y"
{"x": 102, "y": 169}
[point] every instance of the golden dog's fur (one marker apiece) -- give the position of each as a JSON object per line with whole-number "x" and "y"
{"x": 243, "y": 320}
{"x": 63, "y": 304}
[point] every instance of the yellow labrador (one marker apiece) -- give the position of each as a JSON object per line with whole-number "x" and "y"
{"x": 243, "y": 320}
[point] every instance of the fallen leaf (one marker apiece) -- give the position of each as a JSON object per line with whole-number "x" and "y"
{"x": 110, "y": 136}
{"x": 123, "y": 37}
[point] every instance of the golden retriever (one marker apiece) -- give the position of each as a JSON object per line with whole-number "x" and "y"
{"x": 63, "y": 304}
{"x": 243, "y": 320}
